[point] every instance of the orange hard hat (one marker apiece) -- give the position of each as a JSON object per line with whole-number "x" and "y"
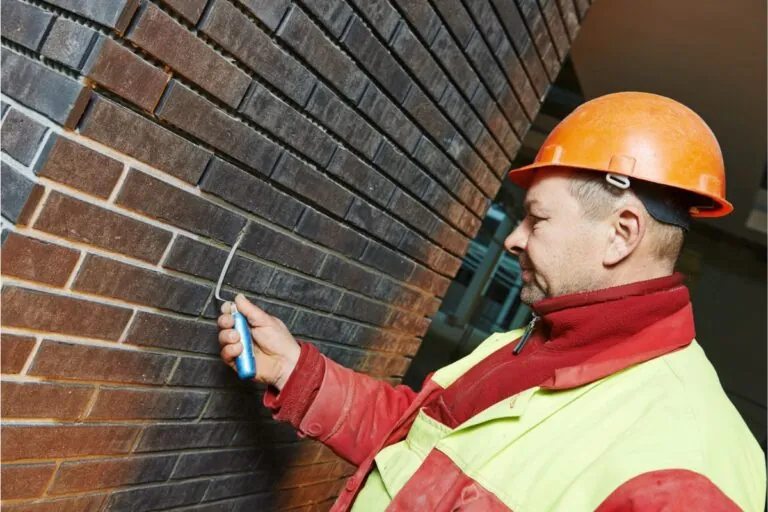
{"x": 641, "y": 136}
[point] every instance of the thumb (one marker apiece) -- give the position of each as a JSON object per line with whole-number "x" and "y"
{"x": 256, "y": 316}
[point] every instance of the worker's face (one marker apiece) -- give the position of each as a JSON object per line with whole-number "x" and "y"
{"x": 560, "y": 250}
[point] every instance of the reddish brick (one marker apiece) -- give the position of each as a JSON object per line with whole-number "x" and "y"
{"x": 430, "y": 281}
{"x": 409, "y": 323}
{"x": 99, "y": 474}
{"x": 35, "y": 260}
{"x": 362, "y": 309}
{"x": 66, "y": 315}
{"x": 306, "y": 475}
{"x": 386, "y": 341}
{"x": 66, "y": 161}
{"x": 129, "y": 404}
{"x": 59, "y": 360}
{"x": 157, "y": 199}
{"x": 39, "y": 400}
{"x": 191, "y": 10}
{"x": 83, "y": 222}
{"x": 309, "y": 494}
{"x": 58, "y": 441}
{"x": 118, "y": 69}
{"x": 90, "y": 503}
{"x": 173, "y": 333}
{"x": 14, "y": 351}
{"x": 29, "y": 207}
{"x": 24, "y": 481}
{"x": 134, "y": 135}
{"x": 163, "y": 37}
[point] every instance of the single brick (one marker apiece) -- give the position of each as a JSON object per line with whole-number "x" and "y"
{"x": 368, "y": 217}
{"x": 60, "y": 360}
{"x": 362, "y": 309}
{"x": 312, "y": 185}
{"x": 151, "y": 330}
{"x": 18, "y": 192}
{"x": 24, "y": 24}
{"x": 330, "y": 233}
{"x": 226, "y": 405}
{"x": 289, "y": 251}
{"x": 419, "y": 61}
{"x": 293, "y": 128}
{"x": 429, "y": 117}
{"x": 387, "y": 260}
{"x": 69, "y": 43}
{"x": 413, "y": 212}
{"x": 357, "y": 174}
{"x": 54, "y": 95}
{"x": 350, "y": 276}
{"x": 570, "y": 18}
{"x": 112, "y": 13}
{"x": 377, "y": 60}
{"x": 185, "y": 435}
{"x": 130, "y": 133}
{"x": 24, "y": 480}
{"x": 190, "y": 10}
{"x": 402, "y": 170}
{"x": 21, "y": 136}
{"x": 105, "y": 473}
{"x": 206, "y": 373}
{"x": 387, "y": 116}
{"x": 422, "y": 16}
{"x": 380, "y": 15}
{"x": 480, "y": 55}
{"x": 40, "y": 400}
{"x": 14, "y": 352}
{"x": 215, "y": 463}
{"x": 420, "y": 249}
{"x": 438, "y": 198}
{"x": 66, "y": 161}
{"x": 58, "y": 441}
{"x": 269, "y": 12}
{"x": 457, "y": 18}
{"x": 343, "y": 121}
{"x": 238, "y": 485}
{"x": 158, "y": 496}
{"x": 120, "y": 70}
{"x": 439, "y": 164}
{"x": 322, "y": 327}
{"x": 144, "y": 404}
{"x": 430, "y": 281}
{"x": 111, "y": 278}
{"x": 35, "y": 260}
{"x": 461, "y": 113}
{"x": 448, "y": 52}
{"x": 232, "y": 29}
{"x": 257, "y": 196}
{"x": 83, "y": 222}
{"x": 301, "y": 34}
{"x": 299, "y": 290}
{"x": 488, "y": 22}
{"x": 472, "y": 197}
{"x": 163, "y": 37}
{"x": 46, "y": 312}
{"x": 333, "y": 13}
{"x": 157, "y": 199}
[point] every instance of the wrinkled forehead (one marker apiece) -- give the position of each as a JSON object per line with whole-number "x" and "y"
{"x": 550, "y": 188}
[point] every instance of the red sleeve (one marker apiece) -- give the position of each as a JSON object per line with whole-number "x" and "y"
{"x": 671, "y": 490}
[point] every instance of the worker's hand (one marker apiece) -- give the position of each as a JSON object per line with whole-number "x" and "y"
{"x": 275, "y": 350}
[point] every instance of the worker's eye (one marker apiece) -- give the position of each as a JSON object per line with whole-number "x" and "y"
{"x": 535, "y": 219}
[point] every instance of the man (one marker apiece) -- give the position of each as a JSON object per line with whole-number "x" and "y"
{"x": 605, "y": 402}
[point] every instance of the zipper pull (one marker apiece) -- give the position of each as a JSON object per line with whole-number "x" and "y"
{"x": 526, "y": 335}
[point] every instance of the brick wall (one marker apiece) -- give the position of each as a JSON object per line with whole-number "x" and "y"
{"x": 358, "y": 145}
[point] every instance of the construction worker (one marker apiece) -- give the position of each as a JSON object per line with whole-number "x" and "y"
{"x": 605, "y": 401}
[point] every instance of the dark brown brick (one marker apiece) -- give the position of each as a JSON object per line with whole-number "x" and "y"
{"x": 570, "y": 18}
{"x": 413, "y": 212}
{"x": 401, "y": 295}
{"x": 429, "y": 117}
{"x": 438, "y": 164}
{"x": 83, "y": 222}
{"x": 513, "y": 67}
{"x": 330, "y": 233}
{"x": 401, "y": 169}
{"x": 364, "y": 310}
{"x": 144, "y": 404}
{"x": 488, "y": 23}
{"x": 420, "y": 249}
{"x": 24, "y": 480}
{"x": 118, "y": 69}
{"x": 350, "y": 276}
{"x": 430, "y": 281}
{"x": 480, "y": 55}
{"x": 104, "y": 473}
{"x": 422, "y": 16}
{"x": 250, "y": 193}
{"x": 40, "y": 400}
{"x": 323, "y": 327}
{"x": 387, "y": 341}
{"x": 130, "y": 133}
{"x": 158, "y": 496}
{"x": 59, "y": 441}
{"x": 281, "y": 311}
{"x": 60, "y": 360}
{"x": 448, "y": 207}
{"x": 232, "y": 29}
{"x": 111, "y": 278}
{"x": 387, "y": 116}
{"x": 14, "y": 351}
{"x": 163, "y": 37}
{"x": 387, "y": 260}
{"x": 312, "y": 185}
{"x": 334, "y": 14}
{"x": 191, "y": 10}
{"x": 21, "y": 135}
{"x": 66, "y": 161}
{"x": 269, "y": 12}
{"x": 112, "y": 13}
{"x": 457, "y": 18}
{"x": 214, "y": 463}
{"x": 309, "y": 494}
{"x": 68, "y": 42}
{"x": 185, "y": 435}
{"x": 35, "y": 260}
{"x": 205, "y": 373}
{"x": 556, "y": 27}
{"x": 46, "y": 312}
{"x": 381, "y": 15}
{"x": 238, "y": 485}
{"x": 292, "y": 127}
{"x": 281, "y": 248}
{"x": 448, "y": 52}
{"x": 160, "y": 200}
{"x": 419, "y": 61}
{"x": 301, "y": 34}
{"x": 541, "y": 37}
{"x": 162, "y": 331}
{"x": 368, "y": 217}
{"x": 360, "y": 176}
{"x": 225, "y": 405}
{"x": 461, "y": 113}
{"x": 299, "y": 290}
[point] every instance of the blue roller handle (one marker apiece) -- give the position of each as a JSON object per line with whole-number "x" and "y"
{"x": 246, "y": 364}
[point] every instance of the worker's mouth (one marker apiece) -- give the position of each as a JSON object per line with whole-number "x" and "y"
{"x": 527, "y": 275}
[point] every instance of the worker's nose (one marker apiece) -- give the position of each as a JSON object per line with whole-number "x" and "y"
{"x": 518, "y": 239}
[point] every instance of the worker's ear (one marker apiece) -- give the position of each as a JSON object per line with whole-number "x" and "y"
{"x": 627, "y": 229}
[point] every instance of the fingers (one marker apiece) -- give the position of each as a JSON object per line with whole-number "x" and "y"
{"x": 225, "y": 308}
{"x": 226, "y": 321}
{"x": 256, "y": 316}
{"x": 229, "y": 337}
{"x": 230, "y": 352}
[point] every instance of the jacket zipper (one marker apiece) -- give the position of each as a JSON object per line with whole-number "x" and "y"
{"x": 526, "y": 335}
